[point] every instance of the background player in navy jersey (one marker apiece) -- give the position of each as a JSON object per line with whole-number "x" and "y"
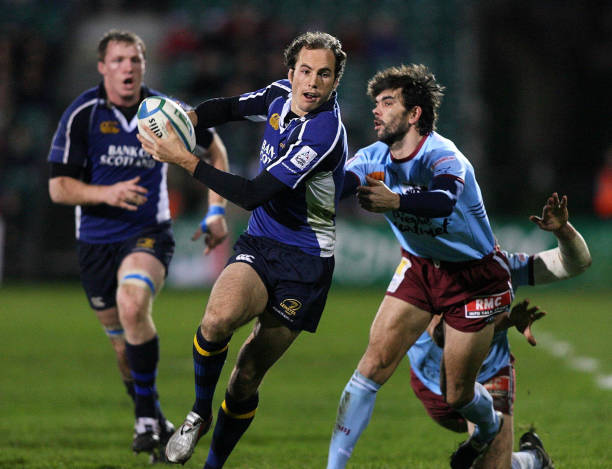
{"x": 123, "y": 228}
{"x": 570, "y": 258}
{"x": 428, "y": 192}
{"x": 282, "y": 267}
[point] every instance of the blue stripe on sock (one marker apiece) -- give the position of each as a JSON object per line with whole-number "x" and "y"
{"x": 144, "y": 376}
{"x": 144, "y": 391}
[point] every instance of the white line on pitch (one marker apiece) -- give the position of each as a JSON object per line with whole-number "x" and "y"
{"x": 565, "y": 351}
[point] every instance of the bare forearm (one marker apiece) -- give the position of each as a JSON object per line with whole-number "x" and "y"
{"x": 70, "y": 191}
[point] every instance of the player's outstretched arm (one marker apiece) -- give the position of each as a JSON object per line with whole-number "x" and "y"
{"x": 571, "y": 257}
{"x": 246, "y": 193}
{"x": 70, "y": 191}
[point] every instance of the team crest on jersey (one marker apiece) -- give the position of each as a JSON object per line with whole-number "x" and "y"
{"x": 488, "y": 305}
{"x": 290, "y": 306}
{"x": 145, "y": 243}
{"x": 109, "y": 127}
{"x": 274, "y": 120}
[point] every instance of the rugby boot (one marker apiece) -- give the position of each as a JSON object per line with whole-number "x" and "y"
{"x": 182, "y": 443}
{"x": 530, "y": 441}
{"x": 146, "y": 435}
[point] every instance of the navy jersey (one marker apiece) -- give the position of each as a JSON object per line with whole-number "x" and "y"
{"x": 96, "y": 136}
{"x": 425, "y": 356}
{"x": 307, "y": 154}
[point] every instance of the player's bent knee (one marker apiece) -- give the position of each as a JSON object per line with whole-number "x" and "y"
{"x": 139, "y": 278}
{"x": 215, "y": 326}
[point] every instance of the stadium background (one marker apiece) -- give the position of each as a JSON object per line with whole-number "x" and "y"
{"x": 527, "y": 100}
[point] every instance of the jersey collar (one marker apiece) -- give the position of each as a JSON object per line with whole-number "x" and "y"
{"x": 411, "y": 155}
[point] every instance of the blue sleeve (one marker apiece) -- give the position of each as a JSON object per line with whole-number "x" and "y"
{"x": 70, "y": 141}
{"x": 521, "y": 268}
{"x": 316, "y": 139}
{"x": 350, "y": 183}
{"x": 246, "y": 193}
{"x": 254, "y": 105}
{"x": 436, "y": 202}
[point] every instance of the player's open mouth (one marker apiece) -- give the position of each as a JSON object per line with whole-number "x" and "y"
{"x": 128, "y": 81}
{"x": 310, "y": 96}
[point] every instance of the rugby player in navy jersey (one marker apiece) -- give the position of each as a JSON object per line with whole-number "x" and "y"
{"x": 123, "y": 226}
{"x": 570, "y": 258}
{"x": 427, "y": 190}
{"x": 282, "y": 267}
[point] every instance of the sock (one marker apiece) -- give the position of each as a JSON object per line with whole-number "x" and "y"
{"x": 143, "y": 360}
{"x": 232, "y": 421}
{"x": 354, "y": 412}
{"x": 480, "y": 411}
{"x": 526, "y": 460}
{"x": 129, "y": 388}
{"x": 208, "y": 360}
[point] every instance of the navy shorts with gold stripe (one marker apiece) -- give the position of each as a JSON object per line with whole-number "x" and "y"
{"x": 297, "y": 282}
{"x": 99, "y": 262}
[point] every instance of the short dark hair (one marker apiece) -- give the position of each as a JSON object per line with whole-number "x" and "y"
{"x": 119, "y": 36}
{"x": 419, "y": 88}
{"x": 316, "y": 40}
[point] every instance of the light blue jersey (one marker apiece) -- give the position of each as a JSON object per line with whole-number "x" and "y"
{"x": 464, "y": 235}
{"x": 425, "y": 356}
{"x": 305, "y": 153}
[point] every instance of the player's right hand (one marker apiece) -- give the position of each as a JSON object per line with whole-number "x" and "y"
{"x": 126, "y": 194}
{"x": 523, "y": 316}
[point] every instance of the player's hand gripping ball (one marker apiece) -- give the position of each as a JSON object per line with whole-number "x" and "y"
{"x": 155, "y": 111}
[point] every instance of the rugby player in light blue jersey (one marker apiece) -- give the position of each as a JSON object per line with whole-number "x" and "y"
{"x": 282, "y": 267}
{"x": 570, "y": 258}
{"x": 123, "y": 228}
{"x": 426, "y": 189}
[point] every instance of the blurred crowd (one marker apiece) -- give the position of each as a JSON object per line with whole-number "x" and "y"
{"x": 202, "y": 49}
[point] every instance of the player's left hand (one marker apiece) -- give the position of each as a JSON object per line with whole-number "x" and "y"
{"x": 523, "y": 316}
{"x": 554, "y": 214}
{"x": 215, "y": 234}
{"x": 169, "y": 149}
{"x": 377, "y": 197}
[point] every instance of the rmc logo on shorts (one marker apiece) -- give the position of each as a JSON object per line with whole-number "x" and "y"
{"x": 488, "y": 305}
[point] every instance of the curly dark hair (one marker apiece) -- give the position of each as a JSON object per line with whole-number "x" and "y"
{"x": 316, "y": 40}
{"x": 419, "y": 88}
{"x": 119, "y": 36}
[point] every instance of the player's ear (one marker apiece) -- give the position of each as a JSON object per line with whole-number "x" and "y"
{"x": 290, "y": 75}
{"x": 415, "y": 114}
{"x": 101, "y": 67}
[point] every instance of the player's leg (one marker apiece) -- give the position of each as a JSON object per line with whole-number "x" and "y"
{"x": 499, "y": 454}
{"x": 395, "y": 328}
{"x": 264, "y": 346}
{"x": 140, "y": 276}
{"x": 502, "y": 388}
{"x": 109, "y": 318}
{"x": 463, "y": 355}
{"x": 237, "y": 296}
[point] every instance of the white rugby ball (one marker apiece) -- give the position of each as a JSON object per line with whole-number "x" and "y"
{"x": 155, "y": 111}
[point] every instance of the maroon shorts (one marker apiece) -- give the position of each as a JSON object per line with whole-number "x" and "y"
{"x": 502, "y": 388}
{"x": 469, "y": 294}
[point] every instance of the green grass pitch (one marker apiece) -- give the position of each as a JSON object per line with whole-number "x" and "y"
{"x": 62, "y": 404}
